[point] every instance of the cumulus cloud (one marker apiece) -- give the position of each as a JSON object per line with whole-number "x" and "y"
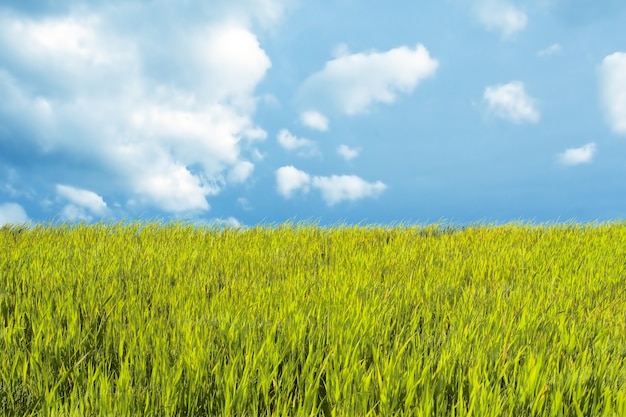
{"x": 304, "y": 147}
{"x": 347, "y": 152}
{"x": 351, "y": 83}
{"x": 613, "y": 90}
{"x": 233, "y": 57}
{"x": 164, "y": 113}
{"x": 576, "y": 156}
{"x": 553, "y": 49}
{"x": 241, "y": 171}
{"x": 510, "y": 102}
{"x": 12, "y": 213}
{"x": 314, "y": 120}
{"x": 338, "y": 188}
{"x": 81, "y": 199}
{"x": 334, "y": 189}
{"x": 289, "y": 179}
{"x": 173, "y": 188}
{"x": 500, "y": 16}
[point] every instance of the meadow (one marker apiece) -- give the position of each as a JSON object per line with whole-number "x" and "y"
{"x": 156, "y": 319}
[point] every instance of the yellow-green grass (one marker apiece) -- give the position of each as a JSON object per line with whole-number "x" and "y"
{"x": 298, "y": 320}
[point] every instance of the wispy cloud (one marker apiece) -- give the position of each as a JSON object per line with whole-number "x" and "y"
{"x": 334, "y": 189}
{"x": 314, "y": 120}
{"x": 12, "y": 213}
{"x": 553, "y": 49}
{"x": 303, "y": 147}
{"x": 244, "y": 203}
{"x": 347, "y": 152}
{"x": 511, "y": 102}
{"x": 576, "y": 156}
{"x": 613, "y": 90}
{"x": 351, "y": 83}
{"x": 501, "y": 16}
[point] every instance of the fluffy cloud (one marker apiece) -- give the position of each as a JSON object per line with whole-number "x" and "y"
{"x": 81, "y": 202}
{"x": 334, "y": 189}
{"x": 314, "y": 120}
{"x": 510, "y": 102}
{"x": 338, "y": 188}
{"x": 575, "y": 156}
{"x": 241, "y": 171}
{"x": 289, "y": 179}
{"x": 613, "y": 90}
{"x": 163, "y": 113}
{"x": 232, "y": 58}
{"x": 347, "y": 152}
{"x": 304, "y": 147}
{"x": 500, "y": 16}
{"x": 352, "y": 83}
{"x": 12, "y": 213}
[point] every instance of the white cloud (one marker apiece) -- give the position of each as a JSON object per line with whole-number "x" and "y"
{"x": 241, "y": 171}
{"x": 341, "y": 50}
{"x": 334, "y": 189}
{"x": 72, "y": 212}
{"x": 173, "y": 188}
{"x": 500, "y": 16}
{"x": 244, "y": 203}
{"x": 140, "y": 106}
{"x": 268, "y": 13}
{"x": 338, "y": 188}
{"x": 67, "y": 53}
{"x": 229, "y": 222}
{"x": 12, "y": 213}
{"x": 82, "y": 198}
{"x": 510, "y": 102}
{"x": 613, "y": 90}
{"x": 347, "y": 152}
{"x": 233, "y": 59}
{"x": 575, "y": 156}
{"x": 352, "y": 83}
{"x": 304, "y": 147}
{"x": 553, "y": 49}
{"x": 290, "y": 179}
{"x": 314, "y": 120}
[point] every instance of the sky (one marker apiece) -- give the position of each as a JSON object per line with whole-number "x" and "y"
{"x": 251, "y": 112}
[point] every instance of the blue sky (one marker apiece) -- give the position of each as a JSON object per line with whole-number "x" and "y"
{"x": 348, "y": 111}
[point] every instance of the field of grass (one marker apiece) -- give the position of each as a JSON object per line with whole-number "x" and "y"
{"x": 162, "y": 319}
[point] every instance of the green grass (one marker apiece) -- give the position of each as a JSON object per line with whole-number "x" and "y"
{"x": 297, "y": 320}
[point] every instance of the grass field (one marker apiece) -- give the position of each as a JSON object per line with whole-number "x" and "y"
{"x": 162, "y": 319}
